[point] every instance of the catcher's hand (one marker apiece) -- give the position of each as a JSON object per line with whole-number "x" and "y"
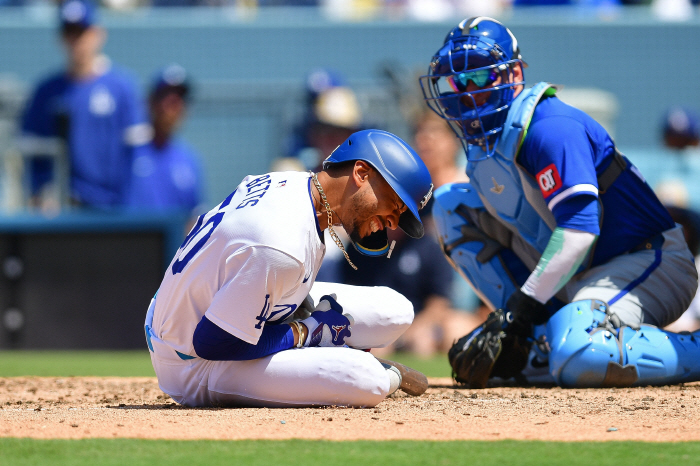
{"x": 488, "y": 352}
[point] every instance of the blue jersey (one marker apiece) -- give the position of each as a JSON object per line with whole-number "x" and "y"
{"x": 165, "y": 178}
{"x": 101, "y": 120}
{"x": 566, "y": 150}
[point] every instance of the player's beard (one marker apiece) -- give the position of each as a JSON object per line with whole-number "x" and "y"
{"x": 361, "y": 210}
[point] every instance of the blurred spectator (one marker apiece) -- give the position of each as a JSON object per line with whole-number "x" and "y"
{"x": 690, "y": 219}
{"x": 417, "y": 268}
{"x": 166, "y": 174}
{"x": 82, "y": 124}
{"x": 677, "y": 175}
{"x": 332, "y": 114}
{"x": 681, "y": 128}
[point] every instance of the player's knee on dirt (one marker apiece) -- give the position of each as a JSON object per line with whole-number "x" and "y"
{"x": 493, "y": 270}
{"x": 589, "y": 348}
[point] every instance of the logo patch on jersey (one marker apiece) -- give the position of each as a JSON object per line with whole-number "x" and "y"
{"x": 282, "y": 184}
{"x": 549, "y": 180}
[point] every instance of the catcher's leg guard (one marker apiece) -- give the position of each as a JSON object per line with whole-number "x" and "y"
{"x": 589, "y": 348}
{"x": 492, "y": 270}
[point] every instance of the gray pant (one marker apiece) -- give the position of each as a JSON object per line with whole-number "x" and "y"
{"x": 658, "y": 299}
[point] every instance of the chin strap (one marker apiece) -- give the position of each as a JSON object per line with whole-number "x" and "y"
{"x": 332, "y": 232}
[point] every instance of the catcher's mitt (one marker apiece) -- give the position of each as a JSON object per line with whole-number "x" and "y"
{"x": 488, "y": 352}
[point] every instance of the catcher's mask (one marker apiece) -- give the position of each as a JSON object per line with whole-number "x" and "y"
{"x": 401, "y": 168}
{"x": 484, "y": 52}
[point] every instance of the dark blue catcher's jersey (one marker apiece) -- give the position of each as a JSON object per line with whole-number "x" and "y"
{"x": 566, "y": 151}
{"x": 101, "y": 119}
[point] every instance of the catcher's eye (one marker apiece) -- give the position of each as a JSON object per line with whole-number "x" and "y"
{"x": 481, "y": 77}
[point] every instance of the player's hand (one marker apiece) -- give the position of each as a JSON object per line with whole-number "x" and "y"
{"x": 526, "y": 311}
{"x": 327, "y": 325}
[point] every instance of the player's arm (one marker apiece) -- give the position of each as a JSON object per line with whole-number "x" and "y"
{"x": 564, "y": 170}
{"x": 39, "y": 140}
{"x": 235, "y": 326}
{"x": 213, "y": 343}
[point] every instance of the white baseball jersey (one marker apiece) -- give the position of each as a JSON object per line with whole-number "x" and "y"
{"x": 250, "y": 260}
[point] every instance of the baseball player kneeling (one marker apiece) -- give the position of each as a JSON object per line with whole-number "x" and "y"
{"x": 234, "y": 324}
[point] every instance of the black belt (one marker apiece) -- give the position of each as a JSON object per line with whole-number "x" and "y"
{"x": 655, "y": 242}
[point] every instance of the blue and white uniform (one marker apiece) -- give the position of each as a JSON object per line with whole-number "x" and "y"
{"x": 554, "y": 183}
{"x": 165, "y": 178}
{"x": 555, "y": 222}
{"x": 247, "y": 265}
{"x": 98, "y": 121}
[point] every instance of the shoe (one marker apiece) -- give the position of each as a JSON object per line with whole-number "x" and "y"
{"x": 413, "y": 382}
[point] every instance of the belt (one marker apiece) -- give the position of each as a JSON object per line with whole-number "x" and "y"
{"x": 655, "y": 242}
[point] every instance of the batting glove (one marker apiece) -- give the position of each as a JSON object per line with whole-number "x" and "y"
{"x": 327, "y": 325}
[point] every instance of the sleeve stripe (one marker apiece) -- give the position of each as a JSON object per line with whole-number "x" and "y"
{"x": 137, "y": 135}
{"x": 579, "y": 188}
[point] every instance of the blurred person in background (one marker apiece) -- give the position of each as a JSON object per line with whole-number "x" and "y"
{"x": 690, "y": 220}
{"x": 678, "y": 172}
{"x": 679, "y": 190}
{"x": 332, "y": 113}
{"x": 82, "y": 124}
{"x": 166, "y": 174}
{"x": 417, "y": 268}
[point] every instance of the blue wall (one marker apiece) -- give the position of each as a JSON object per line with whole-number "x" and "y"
{"x": 250, "y": 71}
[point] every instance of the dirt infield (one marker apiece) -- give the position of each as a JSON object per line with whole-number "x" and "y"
{"x": 84, "y": 407}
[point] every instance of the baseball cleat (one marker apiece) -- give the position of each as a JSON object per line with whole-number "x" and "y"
{"x": 413, "y": 382}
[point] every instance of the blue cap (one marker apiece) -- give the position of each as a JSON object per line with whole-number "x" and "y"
{"x": 77, "y": 13}
{"x": 322, "y": 79}
{"x": 171, "y": 78}
{"x": 683, "y": 122}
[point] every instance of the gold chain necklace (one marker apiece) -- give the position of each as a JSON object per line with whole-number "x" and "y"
{"x": 332, "y": 232}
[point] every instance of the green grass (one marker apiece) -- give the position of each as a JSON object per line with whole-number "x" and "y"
{"x": 103, "y": 452}
{"x": 137, "y": 364}
{"x": 56, "y": 363}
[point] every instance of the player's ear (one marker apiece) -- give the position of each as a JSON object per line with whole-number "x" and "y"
{"x": 360, "y": 172}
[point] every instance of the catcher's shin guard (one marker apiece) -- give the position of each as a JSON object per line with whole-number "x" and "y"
{"x": 589, "y": 348}
{"x": 491, "y": 269}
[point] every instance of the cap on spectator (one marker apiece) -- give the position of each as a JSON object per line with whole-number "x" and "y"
{"x": 681, "y": 127}
{"x": 320, "y": 80}
{"x": 172, "y": 78}
{"x": 77, "y": 14}
{"x": 338, "y": 106}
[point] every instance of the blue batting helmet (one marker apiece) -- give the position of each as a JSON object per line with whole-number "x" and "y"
{"x": 483, "y": 51}
{"x": 401, "y": 167}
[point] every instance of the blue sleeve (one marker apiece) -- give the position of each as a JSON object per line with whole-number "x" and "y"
{"x": 215, "y": 344}
{"x": 578, "y": 213}
{"x": 37, "y": 120}
{"x": 557, "y": 151}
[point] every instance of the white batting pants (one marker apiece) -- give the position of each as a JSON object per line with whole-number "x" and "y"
{"x": 297, "y": 377}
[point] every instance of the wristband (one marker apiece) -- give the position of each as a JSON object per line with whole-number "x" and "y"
{"x": 300, "y": 335}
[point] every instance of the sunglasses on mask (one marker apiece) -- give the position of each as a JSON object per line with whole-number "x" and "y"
{"x": 481, "y": 78}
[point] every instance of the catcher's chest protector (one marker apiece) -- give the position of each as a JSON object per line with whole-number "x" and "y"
{"x": 507, "y": 191}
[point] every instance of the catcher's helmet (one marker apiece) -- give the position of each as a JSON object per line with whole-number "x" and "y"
{"x": 480, "y": 50}
{"x": 401, "y": 167}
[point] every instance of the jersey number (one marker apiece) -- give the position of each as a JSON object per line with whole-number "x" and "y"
{"x": 198, "y": 237}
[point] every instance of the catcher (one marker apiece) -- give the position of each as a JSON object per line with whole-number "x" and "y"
{"x": 557, "y": 231}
